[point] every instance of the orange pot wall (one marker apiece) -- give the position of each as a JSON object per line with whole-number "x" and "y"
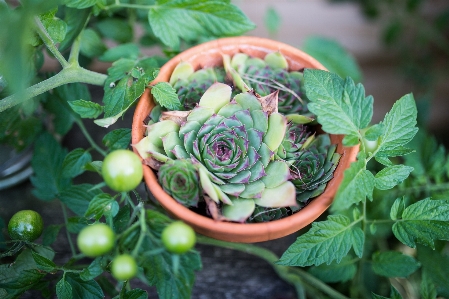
{"x": 208, "y": 55}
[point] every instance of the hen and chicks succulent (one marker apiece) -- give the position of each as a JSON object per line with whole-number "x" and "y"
{"x": 245, "y": 144}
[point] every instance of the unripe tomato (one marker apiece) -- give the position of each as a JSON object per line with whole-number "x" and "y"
{"x": 96, "y": 239}
{"x": 124, "y": 267}
{"x": 122, "y": 170}
{"x": 178, "y": 237}
{"x": 25, "y": 225}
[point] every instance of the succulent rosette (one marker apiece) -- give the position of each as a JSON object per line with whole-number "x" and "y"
{"x": 297, "y": 137}
{"x": 270, "y": 74}
{"x": 233, "y": 145}
{"x": 313, "y": 168}
{"x": 179, "y": 178}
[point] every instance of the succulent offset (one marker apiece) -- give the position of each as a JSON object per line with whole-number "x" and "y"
{"x": 233, "y": 149}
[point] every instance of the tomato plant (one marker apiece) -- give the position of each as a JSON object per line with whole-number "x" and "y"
{"x": 96, "y": 239}
{"x": 122, "y": 170}
{"x": 25, "y": 225}
{"x": 178, "y": 237}
{"x": 124, "y": 267}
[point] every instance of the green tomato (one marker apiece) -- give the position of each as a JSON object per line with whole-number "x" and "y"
{"x": 122, "y": 170}
{"x": 25, "y": 225}
{"x": 370, "y": 146}
{"x": 96, "y": 239}
{"x": 178, "y": 237}
{"x": 124, "y": 267}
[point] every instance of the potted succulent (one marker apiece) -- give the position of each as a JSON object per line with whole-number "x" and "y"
{"x": 276, "y": 187}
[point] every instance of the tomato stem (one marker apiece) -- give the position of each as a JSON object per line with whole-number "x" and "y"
{"x": 64, "y": 213}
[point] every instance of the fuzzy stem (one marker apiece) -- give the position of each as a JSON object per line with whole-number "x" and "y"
{"x": 49, "y": 43}
{"x": 89, "y": 138}
{"x": 64, "y": 213}
{"x": 70, "y": 74}
{"x": 295, "y": 276}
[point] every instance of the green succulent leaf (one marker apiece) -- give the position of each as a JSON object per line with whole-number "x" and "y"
{"x": 394, "y": 264}
{"x": 340, "y": 106}
{"x": 171, "y": 20}
{"x": 325, "y": 242}
{"x": 423, "y": 222}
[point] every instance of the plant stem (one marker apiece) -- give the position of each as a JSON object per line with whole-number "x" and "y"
{"x": 71, "y": 74}
{"x": 43, "y": 34}
{"x": 295, "y": 276}
{"x": 89, "y": 138}
{"x": 74, "y": 52}
{"x": 64, "y": 213}
{"x": 143, "y": 230}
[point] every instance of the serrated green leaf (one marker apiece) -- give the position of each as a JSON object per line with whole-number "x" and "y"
{"x": 384, "y": 161}
{"x": 423, "y": 222}
{"x": 98, "y": 205}
{"x": 117, "y": 29}
{"x": 427, "y": 287}
{"x": 189, "y": 19}
{"x": 76, "y": 224}
{"x": 391, "y": 176}
{"x": 166, "y": 96}
{"x": 86, "y": 109}
{"x": 399, "y": 125}
{"x": 351, "y": 140}
{"x": 47, "y": 162}
{"x": 75, "y": 20}
{"x": 121, "y": 220}
{"x": 333, "y": 56}
{"x": 394, "y": 264}
{"x": 397, "y": 209}
{"x": 130, "y": 51}
{"x": 340, "y": 106}
{"x": 435, "y": 265}
{"x": 335, "y": 272}
{"x": 80, "y": 3}
{"x": 374, "y": 132}
{"x": 50, "y": 234}
{"x": 84, "y": 289}
{"x": 56, "y": 28}
{"x": 158, "y": 269}
{"x": 77, "y": 197}
{"x": 117, "y": 139}
{"x": 400, "y": 151}
{"x": 357, "y": 185}
{"x": 43, "y": 263}
{"x": 74, "y": 162}
{"x": 91, "y": 43}
{"x": 136, "y": 294}
{"x": 325, "y": 242}
{"x": 94, "y": 270}
{"x": 63, "y": 289}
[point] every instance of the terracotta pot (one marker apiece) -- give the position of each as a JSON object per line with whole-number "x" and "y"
{"x": 207, "y": 55}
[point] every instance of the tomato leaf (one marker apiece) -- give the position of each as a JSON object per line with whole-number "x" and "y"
{"x": 136, "y": 294}
{"x": 77, "y": 197}
{"x": 63, "y": 289}
{"x": 91, "y": 43}
{"x": 435, "y": 265}
{"x": 115, "y": 28}
{"x": 98, "y": 205}
{"x": 84, "y": 289}
{"x": 325, "y": 242}
{"x": 74, "y": 162}
{"x": 117, "y": 139}
{"x": 391, "y": 176}
{"x": 47, "y": 163}
{"x": 129, "y": 50}
{"x": 50, "y": 234}
{"x": 80, "y": 3}
{"x": 335, "y": 272}
{"x": 394, "y": 264}
{"x": 95, "y": 269}
{"x": 86, "y": 109}
{"x": 423, "y": 222}
{"x": 75, "y": 20}
{"x": 55, "y": 27}
{"x": 171, "y": 20}
{"x": 340, "y": 106}
{"x": 43, "y": 263}
{"x": 357, "y": 185}
{"x": 166, "y": 96}
{"x": 399, "y": 126}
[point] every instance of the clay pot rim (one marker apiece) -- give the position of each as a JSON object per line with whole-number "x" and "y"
{"x": 229, "y": 231}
